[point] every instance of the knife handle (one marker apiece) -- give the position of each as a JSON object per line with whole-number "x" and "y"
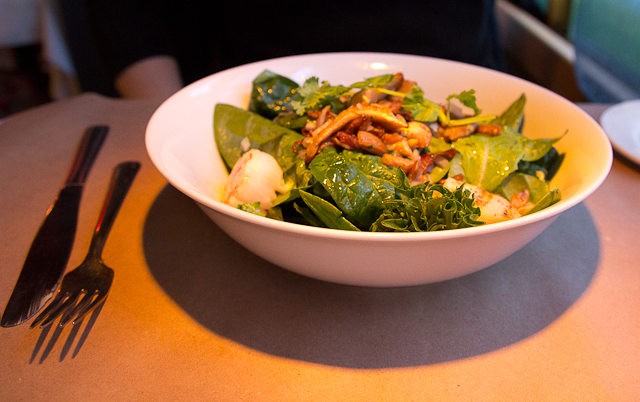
{"x": 87, "y": 151}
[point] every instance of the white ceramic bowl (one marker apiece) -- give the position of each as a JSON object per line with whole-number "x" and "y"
{"x": 181, "y": 144}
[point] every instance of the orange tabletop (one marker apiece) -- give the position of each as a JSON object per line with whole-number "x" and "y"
{"x": 194, "y": 316}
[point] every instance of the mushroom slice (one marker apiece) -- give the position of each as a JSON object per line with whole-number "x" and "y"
{"x": 398, "y": 161}
{"x": 418, "y": 134}
{"x": 370, "y": 95}
{"x": 489, "y": 129}
{"x": 378, "y": 114}
{"x": 453, "y": 133}
{"x": 371, "y": 143}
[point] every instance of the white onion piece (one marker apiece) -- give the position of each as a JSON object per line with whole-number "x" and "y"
{"x": 255, "y": 177}
{"x": 493, "y": 207}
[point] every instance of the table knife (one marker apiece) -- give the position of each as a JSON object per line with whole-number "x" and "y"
{"x": 50, "y": 250}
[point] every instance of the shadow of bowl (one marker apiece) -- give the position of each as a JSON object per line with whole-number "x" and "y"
{"x": 242, "y": 297}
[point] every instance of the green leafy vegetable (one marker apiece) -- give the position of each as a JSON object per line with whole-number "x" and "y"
{"x": 313, "y": 96}
{"x": 356, "y": 191}
{"x": 429, "y": 209}
{"x": 237, "y": 130}
{"x": 455, "y": 166}
{"x": 468, "y": 98}
{"x": 536, "y": 149}
{"x": 513, "y": 117}
{"x": 421, "y": 108}
{"x": 275, "y": 213}
{"x": 427, "y": 111}
{"x": 291, "y": 121}
{"x": 296, "y": 178}
{"x": 386, "y": 180}
{"x": 308, "y": 216}
{"x": 438, "y": 145}
{"x": 272, "y": 94}
{"x": 487, "y": 160}
{"x": 548, "y": 200}
{"x": 438, "y": 173}
{"x": 326, "y": 212}
{"x": 377, "y": 81}
{"x": 253, "y": 208}
{"x": 352, "y": 190}
{"x": 517, "y": 182}
{"x": 546, "y": 166}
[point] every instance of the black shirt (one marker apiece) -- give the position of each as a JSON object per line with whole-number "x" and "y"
{"x": 206, "y": 36}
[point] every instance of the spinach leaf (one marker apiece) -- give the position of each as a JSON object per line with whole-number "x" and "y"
{"x": 351, "y": 189}
{"x": 548, "y": 200}
{"x": 455, "y": 166}
{"x": 326, "y": 212}
{"x": 308, "y": 216}
{"x": 252, "y": 207}
{"x": 539, "y": 192}
{"x": 438, "y": 145}
{"x": 275, "y": 213}
{"x": 513, "y": 117}
{"x": 536, "y": 149}
{"x": 438, "y": 173}
{"x": 292, "y": 121}
{"x": 516, "y": 182}
{"x": 385, "y": 179}
{"x": 487, "y": 160}
{"x": 548, "y": 165}
{"x": 272, "y": 94}
{"x": 298, "y": 177}
{"x": 237, "y": 130}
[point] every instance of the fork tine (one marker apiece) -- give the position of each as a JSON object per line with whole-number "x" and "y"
{"x": 62, "y": 308}
{"x": 72, "y": 310}
{"x": 100, "y": 298}
{"x": 82, "y": 304}
{"x": 54, "y": 304}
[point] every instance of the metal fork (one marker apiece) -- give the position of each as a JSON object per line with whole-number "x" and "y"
{"x": 92, "y": 279}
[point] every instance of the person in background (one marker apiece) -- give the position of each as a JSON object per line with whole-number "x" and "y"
{"x": 151, "y": 49}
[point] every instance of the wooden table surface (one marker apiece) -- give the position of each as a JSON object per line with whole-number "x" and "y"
{"x": 193, "y": 316}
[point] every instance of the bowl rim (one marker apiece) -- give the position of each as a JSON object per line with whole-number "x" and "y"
{"x": 299, "y": 229}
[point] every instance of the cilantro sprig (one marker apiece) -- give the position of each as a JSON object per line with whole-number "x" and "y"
{"x": 420, "y": 108}
{"x": 427, "y": 111}
{"x": 468, "y": 98}
{"x": 314, "y": 95}
{"x": 377, "y": 81}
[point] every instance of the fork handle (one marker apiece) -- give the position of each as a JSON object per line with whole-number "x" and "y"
{"x": 121, "y": 180}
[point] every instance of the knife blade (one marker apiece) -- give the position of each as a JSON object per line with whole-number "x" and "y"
{"x": 50, "y": 250}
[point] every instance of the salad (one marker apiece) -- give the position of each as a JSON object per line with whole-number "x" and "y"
{"x": 378, "y": 155}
